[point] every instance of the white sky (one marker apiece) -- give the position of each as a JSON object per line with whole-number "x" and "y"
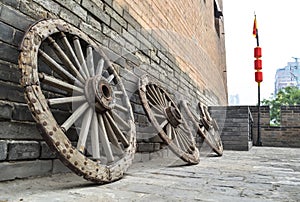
{"x": 278, "y": 26}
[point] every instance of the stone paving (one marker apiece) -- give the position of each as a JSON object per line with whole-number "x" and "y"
{"x": 261, "y": 174}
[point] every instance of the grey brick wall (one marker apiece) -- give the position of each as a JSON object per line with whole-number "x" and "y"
{"x": 3, "y": 150}
{"x": 133, "y": 50}
{"x": 290, "y": 116}
{"x": 285, "y": 135}
{"x": 235, "y": 126}
{"x": 236, "y": 130}
{"x": 23, "y": 150}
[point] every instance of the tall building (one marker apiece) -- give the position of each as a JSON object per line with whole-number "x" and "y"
{"x": 287, "y": 76}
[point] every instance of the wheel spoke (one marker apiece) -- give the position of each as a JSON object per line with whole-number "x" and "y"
{"x": 175, "y": 138}
{"x": 59, "y": 83}
{"x": 84, "y": 130}
{"x": 100, "y": 66}
{"x": 120, "y": 121}
{"x": 110, "y": 78}
{"x": 183, "y": 143}
{"x": 155, "y": 107}
{"x": 118, "y": 107}
{"x": 64, "y": 58}
{"x": 209, "y": 137}
{"x": 118, "y": 93}
{"x": 154, "y": 100}
{"x": 55, "y": 101}
{"x": 80, "y": 55}
{"x": 184, "y": 129}
{"x": 185, "y": 136}
{"x": 166, "y": 99}
{"x": 117, "y": 131}
{"x": 111, "y": 135}
{"x": 104, "y": 140}
{"x": 58, "y": 68}
{"x": 162, "y": 97}
{"x": 68, "y": 46}
{"x": 76, "y": 114}
{"x": 207, "y": 115}
{"x": 201, "y": 110}
{"x": 169, "y": 131}
{"x": 95, "y": 138}
{"x": 90, "y": 60}
{"x": 201, "y": 131}
{"x": 159, "y": 116}
{"x": 155, "y": 94}
{"x": 215, "y": 125}
{"x": 164, "y": 123}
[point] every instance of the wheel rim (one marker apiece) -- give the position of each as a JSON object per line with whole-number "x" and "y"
{"x": 59, "y": 76}
{"x": 168, "y": 121}
{"x": 206, "y": 126}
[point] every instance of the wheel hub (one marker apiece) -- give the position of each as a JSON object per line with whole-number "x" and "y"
{"x": 99, "y": 93}
{"x": 173, "y": 116}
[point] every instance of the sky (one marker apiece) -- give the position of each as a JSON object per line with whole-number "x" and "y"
{"x": 278, "y": 25}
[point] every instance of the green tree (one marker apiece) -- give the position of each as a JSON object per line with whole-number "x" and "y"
{"x": 286, "y": 96}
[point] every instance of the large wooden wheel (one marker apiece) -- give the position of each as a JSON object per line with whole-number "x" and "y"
{"x": 78, "y": 100}
{"x": 167, "y": 119}
{"x": 206, "y": 126}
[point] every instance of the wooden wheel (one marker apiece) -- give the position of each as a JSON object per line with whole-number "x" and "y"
{"x": 206, "y": 126}
{"x": 167, "y": 119}
{"x": 78, "y": 100}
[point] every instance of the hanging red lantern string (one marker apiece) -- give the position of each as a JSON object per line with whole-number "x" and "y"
{"x": 257, "y": 52}
{"x": 258, "y": 76}
{"x": 258, "y": 64}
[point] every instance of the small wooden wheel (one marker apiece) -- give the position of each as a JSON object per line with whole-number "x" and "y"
{"x": 167, "y": 119}
{"x": 78, "y": 100}
{"x": 206, "y": 126}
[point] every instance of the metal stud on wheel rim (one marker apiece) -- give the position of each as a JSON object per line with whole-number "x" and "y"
{"x": 167, "y": 119}
{"x": 207, "y": 127}
{"x": 71, "y": 86}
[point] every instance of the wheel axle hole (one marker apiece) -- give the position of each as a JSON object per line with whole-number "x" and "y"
{"x": 106, "y": 91}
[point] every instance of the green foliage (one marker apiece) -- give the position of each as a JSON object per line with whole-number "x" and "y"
{"x": 287, "y": 96}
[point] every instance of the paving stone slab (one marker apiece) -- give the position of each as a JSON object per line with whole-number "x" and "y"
{"x": 261, "y": 174}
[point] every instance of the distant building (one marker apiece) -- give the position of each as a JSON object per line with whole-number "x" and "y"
{"x": 234, "y": 99}
{"x": 287, "y": 76}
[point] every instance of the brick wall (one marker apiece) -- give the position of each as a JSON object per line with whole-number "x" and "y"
{"x": 238, "y": 126}
{"x": 175, "y": 42}
{"x": 285, "y": 135}
{"x": 235, "y": 123}
{"x": 187, "y": 29}
{"x": 290, "y": 116}
{"x": 264, "y": 119}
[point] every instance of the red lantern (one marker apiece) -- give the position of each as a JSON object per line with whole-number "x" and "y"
{"x": 258, "y": 64}
{"x": 257, "y": 52}
{"x": 258, "y": 77}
